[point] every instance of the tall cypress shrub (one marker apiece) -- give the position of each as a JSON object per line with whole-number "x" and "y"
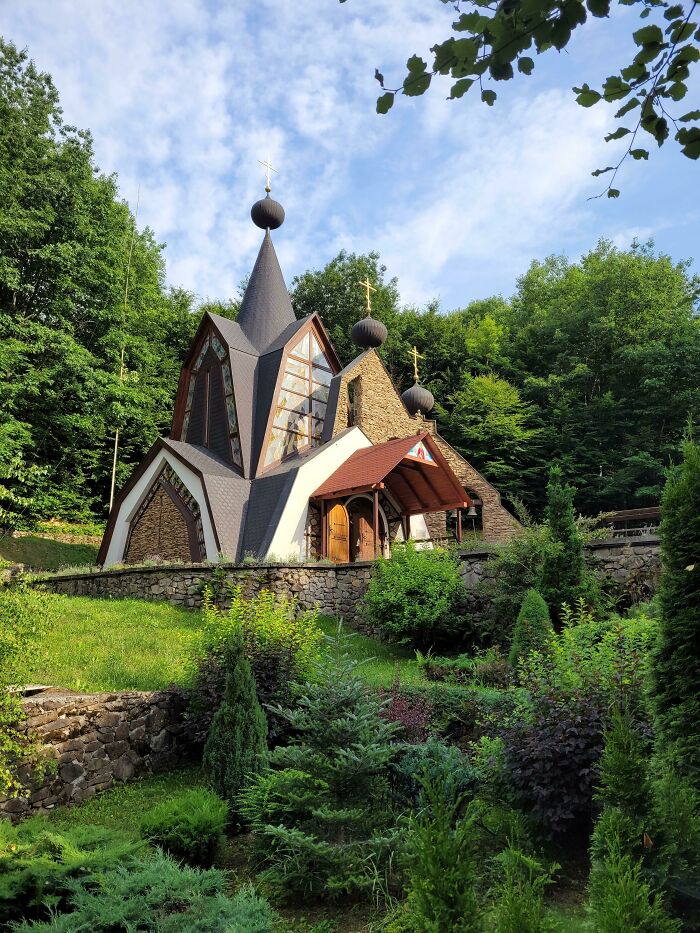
{"x": 236, "y": 746}
{"x": 533, "y": 630}
{"x": 563, "y": 569}
{"x": 676, "y": 663}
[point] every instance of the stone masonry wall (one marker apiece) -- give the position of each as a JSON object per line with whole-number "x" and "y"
{"x": 97, "y": 739}
{"x": 333, "y": 590}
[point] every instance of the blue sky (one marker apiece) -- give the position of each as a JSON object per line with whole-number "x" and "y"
{"x": 183, "y": 97}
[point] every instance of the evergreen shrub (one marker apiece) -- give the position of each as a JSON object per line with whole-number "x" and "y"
{"x": 519, "y": 893}
{"x": 236, "y": 746}
{"x": 320, "y": 813}
{"x": 437, "y": 762}
{"x": 533, "y": 630}
{"x": 413, "y": 597}
{"x": 168, "y": 897}
{"x": 188, "y": 826}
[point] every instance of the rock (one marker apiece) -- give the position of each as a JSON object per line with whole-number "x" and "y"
{"x": 71, "y": 772}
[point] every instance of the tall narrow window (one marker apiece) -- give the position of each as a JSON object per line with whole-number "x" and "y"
{"x": 354, "y": 401}
{"x": 301, "y": 404}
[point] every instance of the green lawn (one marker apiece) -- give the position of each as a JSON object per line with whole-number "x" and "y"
{"x": 102, "y": 644}
{"x": 381, "y": 663}
{"x": 44, "y": 553}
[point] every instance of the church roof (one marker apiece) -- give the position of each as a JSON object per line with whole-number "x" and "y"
{"x": 266, "y": 309}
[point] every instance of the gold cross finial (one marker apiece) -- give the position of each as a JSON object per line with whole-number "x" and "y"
{"x": 416, "y": 356}
{"x": 368, "y": 287}
{"x": 269, "y": 167}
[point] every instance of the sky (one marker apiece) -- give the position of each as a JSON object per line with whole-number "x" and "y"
{"x": 183, "y": 97}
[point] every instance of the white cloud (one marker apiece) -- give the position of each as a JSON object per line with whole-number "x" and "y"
{"x": 183, "y": 97}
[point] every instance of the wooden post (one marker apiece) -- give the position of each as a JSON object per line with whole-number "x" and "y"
{"x": 459, "y": 526}
{"x": 375, "y": 521}
{"x": 324, "y": 531}
{"x": 406, "y": 521}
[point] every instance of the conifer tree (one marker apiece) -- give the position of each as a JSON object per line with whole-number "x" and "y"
{"x": 236, "y": 747}
{"x": 676, "y": 665}
{"x": 533, "y": 628}
{"x": 563, "y": 569}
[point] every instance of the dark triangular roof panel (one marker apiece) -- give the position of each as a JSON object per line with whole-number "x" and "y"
{"x": 266, "y": 309}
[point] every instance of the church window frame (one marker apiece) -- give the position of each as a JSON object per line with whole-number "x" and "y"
{"x": 301, "y": 401}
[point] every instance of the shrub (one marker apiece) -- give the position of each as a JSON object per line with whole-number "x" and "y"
{"x": 436, "y": 762}
{"x": 519, "y": 893}
{"x": 675, "y": 833}
{"x": 439, "y": 859}
{"x": 410, "y": 709}
{"x": 624, "y": 777}
{"x": 280, "y": 643}
{"x": 563, "y": 569}
{"x": 37, "y": 862}
{"x": 174, "y": 898}
{"x": 188, "y": 826}
{"x": 676, "y": 667}
{"x": 533, "y": 629}
{"x": 236, "y": 747}
{"x": 487, "y": 668}
{"x": 320, "y": 813}
{"x": 412, "y": 597}
{"x": 620, "y": 899}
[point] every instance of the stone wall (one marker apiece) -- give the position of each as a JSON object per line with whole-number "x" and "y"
{"x": 97, "y": 739}
{"x": 334, "y": 590}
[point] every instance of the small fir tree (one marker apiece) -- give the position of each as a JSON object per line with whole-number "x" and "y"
{"x": 533, "y": 630}
{"x": 676, "y": 664}
{"x": 236, "y": 747}
{"x": 563, "y": 569}
{"x": 320, "y": 813}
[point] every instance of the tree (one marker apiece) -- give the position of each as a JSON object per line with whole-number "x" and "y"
{"x": 533, "y": 630}
{"x": 236, "y": 747}
{"x": 676, "y": 666}
{"x": 489, "y": 40}
{"x": 563, "y": 568}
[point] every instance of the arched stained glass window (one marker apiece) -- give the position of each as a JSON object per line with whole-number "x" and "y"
{"x": 301, "y": 404}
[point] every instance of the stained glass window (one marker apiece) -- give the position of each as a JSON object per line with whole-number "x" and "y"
{"x": 301, "y": 405}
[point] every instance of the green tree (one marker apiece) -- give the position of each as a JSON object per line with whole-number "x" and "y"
{"x": 489, "y": 44}
{"x": 236, "y": 747}
{"x": 563, "y": 568}
{"x": 533, "y": 630}
{"x": 676, "y": 666}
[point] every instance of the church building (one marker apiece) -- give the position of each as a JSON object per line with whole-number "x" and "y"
{"x": 278, "y": 451}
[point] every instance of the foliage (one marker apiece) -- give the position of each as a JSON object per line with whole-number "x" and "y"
{"x": 624, "y": 767}
{"x": 438, "y": 763}
{"x": 412, "y": 710}
{"x": 439, "y": 860}
{"x": 489, "y": 41}
{"x": 676, "y": 666}
{"x": 39, "y": 860}
{"x": 236, "y": 747}
{"x": 319, "y": 813}
{"x": 412, "y": 597}
{"x": 280, "y": 642}
{"x": 188, "y": 826}
{"x": 174, "y": 898}
{"x": 19, "y": 608}
{"x": 18, "y": 483}
{"x": 533, "y": 629}
{"x": 675, "y": 834}
{"x": 519, "y": 893}
{"x": 620, "y": 899}
{"x": 484, "y": 668}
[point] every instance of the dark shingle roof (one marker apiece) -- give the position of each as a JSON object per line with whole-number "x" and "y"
{"x": 266, "y": 309}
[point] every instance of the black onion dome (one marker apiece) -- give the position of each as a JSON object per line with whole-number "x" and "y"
{"x": 369, "y": 332}
{"x": 418, "y": 398}
{"x": 267, "y": 214}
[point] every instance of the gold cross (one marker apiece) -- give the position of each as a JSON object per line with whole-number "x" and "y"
{"x": 368, "y": 287}
{"x": 269, "y": 167}
{"x": 416, "y": 356}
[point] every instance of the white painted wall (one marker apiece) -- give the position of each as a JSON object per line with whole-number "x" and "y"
{"x": 190, "y": 480}
{"x": 288, "y": 539}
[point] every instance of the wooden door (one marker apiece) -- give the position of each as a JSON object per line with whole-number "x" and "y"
{"x": 361, "y": 530}
{"x": 338, "y": 536}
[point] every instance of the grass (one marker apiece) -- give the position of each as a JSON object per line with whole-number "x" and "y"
{"x": 381, "y": 663}
{"x": 105, "y": 645}
{"x": 44, "y": 553}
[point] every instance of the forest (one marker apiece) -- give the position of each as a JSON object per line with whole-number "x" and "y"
{"x": 592, "y": 363}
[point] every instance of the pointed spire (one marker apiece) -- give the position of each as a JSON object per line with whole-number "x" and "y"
{"x": 266, "y": 309}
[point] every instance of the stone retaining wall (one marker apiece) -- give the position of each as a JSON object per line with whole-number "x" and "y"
{"x": 634, "y": 564}
{"x": 97, "y": 739}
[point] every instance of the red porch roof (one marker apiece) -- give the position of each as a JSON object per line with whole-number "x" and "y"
{"x": 418, "y": 485}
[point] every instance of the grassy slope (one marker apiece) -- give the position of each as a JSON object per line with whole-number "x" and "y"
{"x": 131, "y": 644}
{"x": 126, "y": 644}
{"x": 44, "y": 553}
